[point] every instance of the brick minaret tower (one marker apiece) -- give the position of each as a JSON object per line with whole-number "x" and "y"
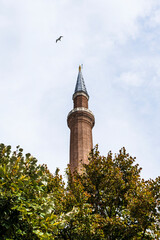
{"x": 80, "y": 121}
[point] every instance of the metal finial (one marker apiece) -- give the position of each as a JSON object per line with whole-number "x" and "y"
{"x": 79, "y": 68}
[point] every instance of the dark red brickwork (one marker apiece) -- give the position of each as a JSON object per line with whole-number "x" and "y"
{"x": 80, "y": 101}
{"x": 80, "y": 121}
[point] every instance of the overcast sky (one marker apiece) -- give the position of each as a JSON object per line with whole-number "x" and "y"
{"x": 118, "y": 43}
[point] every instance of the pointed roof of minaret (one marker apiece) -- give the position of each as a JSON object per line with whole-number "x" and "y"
{"x": 80, "y": 85}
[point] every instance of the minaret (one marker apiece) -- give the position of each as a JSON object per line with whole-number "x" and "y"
{"x": 80, "y": 121}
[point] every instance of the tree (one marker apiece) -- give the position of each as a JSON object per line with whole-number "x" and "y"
{"x": 108, "y": 200}
{"x": 112, "y": 201}
{"x": 28, "y": 193}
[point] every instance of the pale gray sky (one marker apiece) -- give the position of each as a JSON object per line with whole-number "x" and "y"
{"x": 118, "y": 43}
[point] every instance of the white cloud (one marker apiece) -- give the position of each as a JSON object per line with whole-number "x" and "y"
{"x": 132, "y": 79}
{"x": 118, "y": 45}
{"x": 154, "y": 20}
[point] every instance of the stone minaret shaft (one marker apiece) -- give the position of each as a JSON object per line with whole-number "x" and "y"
{"x": 80, "y": 121}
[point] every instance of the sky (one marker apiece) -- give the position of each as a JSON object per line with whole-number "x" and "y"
{"x": 118, "y": 43}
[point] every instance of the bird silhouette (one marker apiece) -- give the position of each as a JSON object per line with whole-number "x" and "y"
{"x": 59, "y": 39}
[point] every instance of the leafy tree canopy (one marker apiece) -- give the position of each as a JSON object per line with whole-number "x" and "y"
{"x": 27, "y": 193}
{"x": 108, "y": 200}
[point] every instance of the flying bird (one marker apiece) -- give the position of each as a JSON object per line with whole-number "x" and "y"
{"x": 59, "y": 39}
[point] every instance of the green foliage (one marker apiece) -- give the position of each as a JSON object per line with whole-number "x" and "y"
{"x": 27, "y": 193}
{"x": 108, "y": 200}
{"x": 112, "y": 201}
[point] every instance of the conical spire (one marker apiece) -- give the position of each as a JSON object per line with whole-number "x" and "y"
{"x": 80, "y": 85}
